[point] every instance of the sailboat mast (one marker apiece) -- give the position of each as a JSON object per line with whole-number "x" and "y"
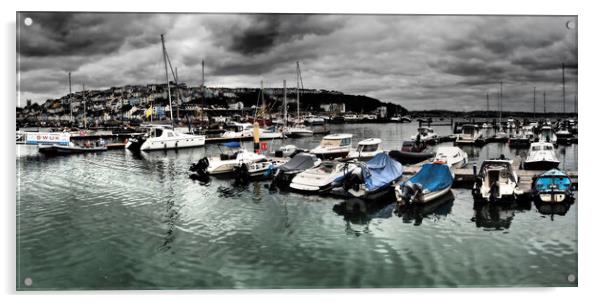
{"x": 563, "y": 92}
{"x": 178, "y": 95}
{"x": 298, "y": 74}
{"x": 70, "y": 100}
{"x": 284, "y": 118}
{"x": 544, "y": 102}
{"x": 534, "y": 101}
{"x": 500, "y": 103}
{"x": 84, "y": 100}
{"x": 487, "y": 103}
{"x": 167, "y": 79}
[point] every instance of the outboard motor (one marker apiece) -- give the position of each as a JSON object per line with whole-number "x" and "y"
{"x": 241, "y": 174}
{"x": 410, "y": 193}
{"x": 201, "y": 165}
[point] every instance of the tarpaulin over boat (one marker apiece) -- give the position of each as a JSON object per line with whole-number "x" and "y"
{"x": 233, "y": 144}
{"x": 433, "y": 177}
{"x": 300, "y": 161}
{"x": 380, "y": 171}
{"x": 553, "y": 177}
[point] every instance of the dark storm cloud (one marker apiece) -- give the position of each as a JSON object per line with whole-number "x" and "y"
{"x": 421, "y": 62}
{"x": 265, "y": 31}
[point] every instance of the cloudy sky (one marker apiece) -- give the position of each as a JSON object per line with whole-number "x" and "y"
{"x": 420, "y": 62}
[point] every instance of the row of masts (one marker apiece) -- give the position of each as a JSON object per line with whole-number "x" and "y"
{"x": 500, "y": 108}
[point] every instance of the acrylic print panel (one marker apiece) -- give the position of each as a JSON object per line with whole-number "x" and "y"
{"x": 162, "y": 151}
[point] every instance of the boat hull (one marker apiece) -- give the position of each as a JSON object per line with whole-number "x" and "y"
{"x": 540, "y": 165}
{"x": 151, "y": 144}
{"x": 331, "y": 155}
{"x": 405, "y": 158}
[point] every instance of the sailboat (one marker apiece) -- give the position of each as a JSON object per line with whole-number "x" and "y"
{"x": 298, "y": 130}
{"x": 161, "y": 137}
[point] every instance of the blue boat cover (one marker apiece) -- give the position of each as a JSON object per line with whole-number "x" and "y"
{"x": 433, "y": 177}
{"x": 553, "y": 177}
{"x": 233, "y": 144}
{"x": 380, "y": 171}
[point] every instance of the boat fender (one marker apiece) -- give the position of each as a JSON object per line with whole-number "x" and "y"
{"x": 176, "y": 144}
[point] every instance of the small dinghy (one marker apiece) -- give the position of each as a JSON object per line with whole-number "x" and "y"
{"x": 541, "y": 157}
{"x": 322, "y": 178}
{"x": 454, "y": 156}
{"x": 374, "y": 179}
{"x": 433, "y": 180}
{"x": 299, "y": 163}
{"x": 552, "y": 186}
{"x": 225, "y": 162}
{"x": 264, "y": 169}
{"x": 72, "y": 148}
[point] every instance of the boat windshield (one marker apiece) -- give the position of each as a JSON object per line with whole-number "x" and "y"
{"x": 156, "y": 132}
{"x": 468, "y": 130}
{"x": 330, "y": 142}
{"x": 536, "y": 148}
{"x": 547, "y": 147}
{"x": 367, "y": 148}
{"x": 327, "y": 167}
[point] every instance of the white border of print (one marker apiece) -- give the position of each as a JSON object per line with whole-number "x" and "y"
{"x": 589, "y": 212}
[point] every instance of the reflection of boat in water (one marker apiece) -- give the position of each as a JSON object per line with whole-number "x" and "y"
{"x": 560, "y": 208}
{"x": 497, "y": 216}
{"x": 358, "y": 211}
{"x": 416, "y": 213}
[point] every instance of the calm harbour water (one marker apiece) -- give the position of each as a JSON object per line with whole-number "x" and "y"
{"x": 116, "y": 220}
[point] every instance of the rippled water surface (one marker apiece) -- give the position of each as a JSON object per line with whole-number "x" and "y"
{"x": 116, "y": 220}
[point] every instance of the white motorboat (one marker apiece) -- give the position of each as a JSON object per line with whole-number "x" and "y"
{"x": 366, "y": 149}
{"x": 453, "y": 156}
{"x": 161, "y": 137}
{"x": 297, "y": 164}
{"x": 314, "y": 120}
{"x": 496, "y": 181}
{"x": 245, "y": 130}
{"x": 547, "y": 134}
{"x": 245, "y": 171}
{"x": 541, "y": 157}
{"x": 297, "y": 132}
{"x": 470, "y": 134}
{"x": 425, "y": 134}
{"x": 322, "y": 178}
{"x": 225, "y": 163}
{"x": 334, "y": 146}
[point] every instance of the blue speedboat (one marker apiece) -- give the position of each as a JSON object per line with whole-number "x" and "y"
{"x": 553, "y": 186}
{"x": 373, "y": 179}
{"x": 432, "y": 181}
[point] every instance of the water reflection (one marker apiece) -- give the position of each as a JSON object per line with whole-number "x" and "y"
{"x": 437, "y": 208}
{"x": 493, "y": 216}
{"x": 552, "y": 209}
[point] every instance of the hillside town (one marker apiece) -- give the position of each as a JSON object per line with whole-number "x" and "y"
{"x": 134, "y": 104}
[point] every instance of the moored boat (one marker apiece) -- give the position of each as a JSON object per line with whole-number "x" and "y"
{"x": 334, "y": 146}
{"x": 297, "y": 164}
{"x": 366, "y": 149}
{"x": 425, "y": 134}
{"x": 432, "y": 181}
{"x": 496, "y": 181}
{"x": 470, "y": 134}
{"x": 552, "y": 186}
{"x": 322, "y": 178}
{"x": 541, "y": 157}
{"x": 71, "y": 148}
{"x": 453, "y": 156}
{"x": 373, "y": 179}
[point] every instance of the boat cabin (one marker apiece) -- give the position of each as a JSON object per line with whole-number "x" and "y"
{"x": 333, "y": 140}
{"x": 368, "y": 145}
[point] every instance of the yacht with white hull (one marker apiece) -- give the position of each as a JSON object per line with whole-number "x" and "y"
{"x": 541, "y": 157}
{"x": 333, "y": 146}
